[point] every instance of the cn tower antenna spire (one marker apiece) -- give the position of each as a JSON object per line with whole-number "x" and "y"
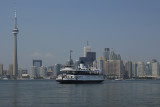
{"x": 15, "y": 59}
{"x": 15, "y": 19}
{"x": 15, "y": 29}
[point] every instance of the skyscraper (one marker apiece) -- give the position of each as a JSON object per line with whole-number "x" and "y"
{"x": 1, "y": 70}
{"x": 100, "y": 65}
{"x": 37, "y": 63}
{"x": 155, "y": 68}
{"x": 88, "y": 60}
{"x": 57, "y": 68}
{"x": 32, "y": 72}
{"x": 128, "y": 69}
{"x": 134, "y": 69}
{"x": 106, "y": 53}
{"x": 87, "y": 49}
{"x": 89, "y": 56}
{"x": 10, "y": 71}
{"x": 114, "y": 69}
{"x": 114, "y": 56}
{"x": 43, "y": 72}
{"x": 15, "y": 61}
{"x": 148, "y": 69}
{"x": 140, "y": 69}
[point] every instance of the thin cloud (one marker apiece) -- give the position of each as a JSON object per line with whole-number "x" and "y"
{"x": 36, "y": 54}
{"x": 48, "y": 55}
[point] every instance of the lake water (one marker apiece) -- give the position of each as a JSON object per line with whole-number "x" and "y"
{"x": 110, "y": 93}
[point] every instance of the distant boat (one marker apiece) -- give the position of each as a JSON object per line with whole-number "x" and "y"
{"x": 4, "y": 78}
{"x": 119, "y": 79}
{"x": 81, "y": 75}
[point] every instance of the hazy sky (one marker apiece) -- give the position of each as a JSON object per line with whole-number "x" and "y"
{"x": 48, "y": 29}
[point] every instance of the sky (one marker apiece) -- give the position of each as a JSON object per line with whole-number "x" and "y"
{"x": 49, "y": 29}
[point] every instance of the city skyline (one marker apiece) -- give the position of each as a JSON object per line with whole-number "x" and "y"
{"x": 48, "y": 30}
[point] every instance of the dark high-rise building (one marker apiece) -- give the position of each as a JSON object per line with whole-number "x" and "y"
{"x": 1, "y": 70}
{"x": 10, "y": 71}
{"x": 88, "y": 60}
{"x": 128, "y": 69}
{"x": 37, "y": 63}
{"x": 134, "y": 69}
{"x": 91, "y": 56}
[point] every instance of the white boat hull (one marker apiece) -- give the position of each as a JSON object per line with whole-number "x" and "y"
{"x": 80, "y": 79}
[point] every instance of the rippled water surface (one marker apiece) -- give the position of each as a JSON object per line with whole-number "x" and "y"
{"x": 110, "y": 93}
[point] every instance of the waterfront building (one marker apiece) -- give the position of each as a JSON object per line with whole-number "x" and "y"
{"x": 100, "y": 65}
{"x": 114, "y": 69}
{"x": 148, "y": 69}
{"x": 15, "y": 60}
{"x": 25, "y": 76}
{"x": 134, "y": 69}
{"x": 10, "y": 71}
{"x": 20, "y": 73}
{"x": 43, "y": 72}
{"x": 5, "y": 73}
{"x": 50, "y": 70}
{"x": 128, "y": 69}
{"x": 104, "y": 64}
{"x": 57, "y": 68}
{"x": 140, "y": 69}
{"x": 155, "y": 68}
{"x": 1, "y": 70}
{"x": 33, "y": 72}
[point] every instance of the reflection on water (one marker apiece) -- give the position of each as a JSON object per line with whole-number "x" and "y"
{"x": 49, "y": 93}
{"x": 15, "y": 94}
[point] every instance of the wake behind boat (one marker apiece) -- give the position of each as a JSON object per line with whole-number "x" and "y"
{"x": 80, "y": 75}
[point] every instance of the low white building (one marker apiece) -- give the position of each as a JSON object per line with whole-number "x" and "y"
{"x": 43, "y": 71}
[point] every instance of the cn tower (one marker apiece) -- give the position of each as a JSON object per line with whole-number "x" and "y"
{"x": 15, "y": 61}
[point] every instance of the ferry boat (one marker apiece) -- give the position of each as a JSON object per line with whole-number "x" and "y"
{"x": 80, "y": 75}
